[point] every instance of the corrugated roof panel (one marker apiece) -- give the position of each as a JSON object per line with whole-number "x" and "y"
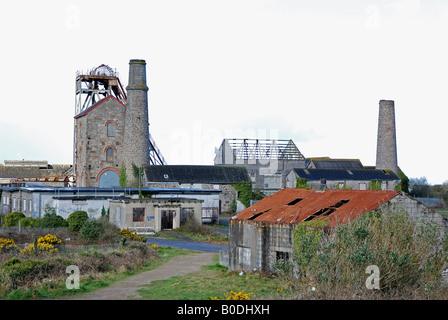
{"x": 344, "y": 205}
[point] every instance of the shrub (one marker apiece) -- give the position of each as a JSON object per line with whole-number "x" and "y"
{"x": 7, "y": 245}
{"x": 42, "y": 245}
{"x": 99, "y": 229}
{"x": 132, "y": 235}
{"x": 91, "y": 229}
{"x": 12, "y": 219}
{"x": 76, "y": 220}
{"x": 39, "y": 248}
{"x": 49, "y": 239}
{"x": 52, "y": 221}
{"x": 408, "y": 253}
{"x": 29, "y": 222}
{"x": 16, "y": 272}
{"x": 191, "y": 225}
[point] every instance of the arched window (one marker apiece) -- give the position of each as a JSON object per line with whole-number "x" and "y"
{"x": 110, "y": 155}
{"x": 111, "y": 129}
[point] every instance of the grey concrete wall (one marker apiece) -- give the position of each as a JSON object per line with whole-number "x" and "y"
{"x": 254, "y": 245}
{"x": 121, "y": 212}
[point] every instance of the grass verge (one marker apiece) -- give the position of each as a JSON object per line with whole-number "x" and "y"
{"x": 51, "y": 287}
{"x": 214, "y": 281}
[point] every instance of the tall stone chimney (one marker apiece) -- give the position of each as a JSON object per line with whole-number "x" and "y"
{"x": 136, "y": 135}
{"x": 386, "y": 152}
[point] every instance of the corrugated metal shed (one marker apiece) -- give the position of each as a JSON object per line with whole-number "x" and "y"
{"x": 297, "y": 205}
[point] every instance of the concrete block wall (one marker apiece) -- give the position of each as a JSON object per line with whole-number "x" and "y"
{"x": 254, "y": 245}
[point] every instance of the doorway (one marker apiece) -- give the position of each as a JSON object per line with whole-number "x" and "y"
{"x": 167, "y": 219}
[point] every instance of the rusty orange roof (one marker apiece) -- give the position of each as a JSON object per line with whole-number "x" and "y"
{"x": 297, "y": 205}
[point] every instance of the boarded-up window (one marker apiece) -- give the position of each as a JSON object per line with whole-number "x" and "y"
{"x": 138, "y": 215}
{"x": 110, "y": 129}
{"x": 110, "y": 155}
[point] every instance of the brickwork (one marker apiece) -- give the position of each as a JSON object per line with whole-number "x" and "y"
{"x": 386, "y": 156}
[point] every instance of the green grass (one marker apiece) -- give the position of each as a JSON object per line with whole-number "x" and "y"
{"x": 212, "y": 281}
{"x": 443, "y": 213}
{"x": 57, "y": 287}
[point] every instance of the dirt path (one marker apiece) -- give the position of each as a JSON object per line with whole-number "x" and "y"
{"x": 127, "y": 289}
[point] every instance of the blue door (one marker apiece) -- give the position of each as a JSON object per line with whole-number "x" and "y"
{"x": 109, "y": 179}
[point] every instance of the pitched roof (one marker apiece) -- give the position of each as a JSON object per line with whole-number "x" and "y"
{"x": 197, "y": 174}
{"x": 86, "y": 111}
{"x": 296, "y": 205}
{"x": 327, "y": 163}
{"x": 346, "y": 174}
{"x": 16, "y": 172}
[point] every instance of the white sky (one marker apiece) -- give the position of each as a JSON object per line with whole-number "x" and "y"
{"x": 311, "y": 71}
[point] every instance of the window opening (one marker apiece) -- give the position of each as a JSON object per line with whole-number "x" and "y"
{"x": 110, "y": 129}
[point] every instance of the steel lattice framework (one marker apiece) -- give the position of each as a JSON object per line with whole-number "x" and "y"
{"x": 259, "y": 149}
{"x": 97, "y": 84}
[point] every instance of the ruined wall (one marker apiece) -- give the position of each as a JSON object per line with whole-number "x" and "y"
{"x": 418, "y": 211}
{"x": 257, "y": 245}
{"x": 121, "y": 212}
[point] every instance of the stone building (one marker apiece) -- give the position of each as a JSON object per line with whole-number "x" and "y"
{"x": 262, "y": 233}
{"x": 112, "y": 132}
{"x": 353, "y": 179}
{"x": 100, "y": 144}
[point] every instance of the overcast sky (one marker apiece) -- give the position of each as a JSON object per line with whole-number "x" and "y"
{"x": 310, "y": 71}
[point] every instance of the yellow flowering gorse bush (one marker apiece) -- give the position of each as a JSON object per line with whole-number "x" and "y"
{"x": 49, "y": 239}
{"x": 235, "y": 296}
{"x": 6, "y": 245}
{"x": 43, "y": 245}
{"x": 131, "y": 235}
